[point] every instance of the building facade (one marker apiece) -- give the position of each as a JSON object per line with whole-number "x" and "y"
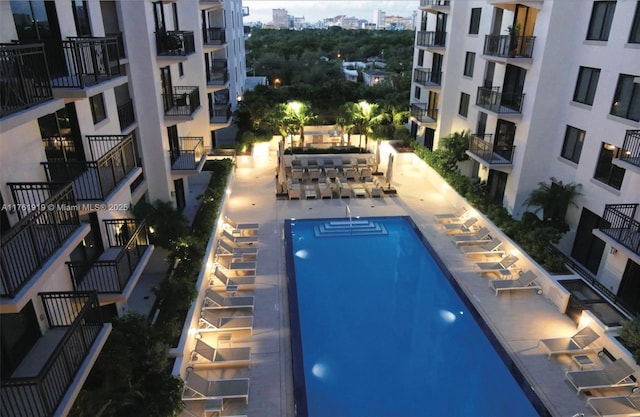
{"x": 104, "y": 104}
{"x": 547, "y": 89}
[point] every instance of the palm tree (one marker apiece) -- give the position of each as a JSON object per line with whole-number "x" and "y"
{"x": 345, "y": 120}
{"x": 553, "y": 198}
{"x": 298, "y": 113}
{"x": 365, "y": 117}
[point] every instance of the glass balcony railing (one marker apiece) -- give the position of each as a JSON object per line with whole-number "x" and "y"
{"x": 189, "y": 155}
{"x": 492, "y": 99}
{"x": 218, "y": 74}
{"x": 214, "y": 36}
{"x": 431, "y": 39}
{"x": 175, "y": 43}
{"x": 427, "y": 77}
{"x": 505, "y": 46}
{"x": 220, "y": 113}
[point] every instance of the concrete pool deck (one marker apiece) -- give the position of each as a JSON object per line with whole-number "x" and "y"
{"x": 518, "y": 319}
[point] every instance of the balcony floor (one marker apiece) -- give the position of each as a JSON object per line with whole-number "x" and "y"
{"x": 35, "y": 360}
{"x": 184, "y": 162}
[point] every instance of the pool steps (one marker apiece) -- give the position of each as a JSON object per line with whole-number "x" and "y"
{"x": 338, "y": 228}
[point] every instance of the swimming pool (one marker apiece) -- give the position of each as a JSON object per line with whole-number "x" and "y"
{"x": 378, "y": 329}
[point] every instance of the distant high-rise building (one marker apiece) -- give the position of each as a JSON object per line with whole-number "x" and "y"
{"x": 379, "y": 18}
{"x": 281, "y": 18}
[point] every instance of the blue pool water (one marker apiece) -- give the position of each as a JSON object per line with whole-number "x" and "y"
{"x": 379, "y": 330}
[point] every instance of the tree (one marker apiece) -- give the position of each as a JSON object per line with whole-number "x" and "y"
{"x": 366, "y": 115}
{"x": 553, "y": 199}
{"x": 165, "y": 222}
{"x": 344, "y": 119}
{"x": 297, "y": 114}
{"x": 630, "y": 335}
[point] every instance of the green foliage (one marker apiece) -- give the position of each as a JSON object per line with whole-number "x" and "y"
{"x": 167, "y": 223}
{"x": 553, "y": 199}
{"x": 630, "y": 335}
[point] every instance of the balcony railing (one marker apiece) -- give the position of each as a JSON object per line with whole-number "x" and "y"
{"x": 184, "y": 101}
{"x": 631, "y": 148}
{"x": 89, "y": 61}
{"x": 484, "y": 147}
{"x": 623, "y": 228}
{"x": 433, "y": 3}
{"x": 189, "y": 155}
{"x": 128, "y": 241}
{"x": 126, "y": 114}
{"x": 24, "y": 77}
{"x": 175, "y": 43}
{"x": 427, "y": 77}
{"x": 220, "y": 113}
{"x": 431, "y": 39}
{"x": 94, "y": 180}
{"x": 492, "y": 99}
{"x": 218, "y": 73}
{"x": 214, "y": 36}
{"x": 49, "y": 216}
{"x": 505, "y": 46}
{"x": 423, "y": 113}
{"x": 75, "y": 323}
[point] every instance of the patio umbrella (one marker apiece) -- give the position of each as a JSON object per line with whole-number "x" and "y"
{"x": 389, "y": 175}
{"x": 377, "y": 155}
{"x": 281, "y": 170}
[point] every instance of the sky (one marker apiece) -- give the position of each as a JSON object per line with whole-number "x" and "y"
{"x": 313, "y": 10}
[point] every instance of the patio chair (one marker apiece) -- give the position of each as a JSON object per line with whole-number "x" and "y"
{"x": 453, "y": 228}
{"x": 239, "y": 239}
{"x": 573, "y": 345}
{"x": 220, "y": 279}
{"x": 350, "y": 173}
{"x": 451, "y": 217}
{"x": 504, "y": 264}
{"x": 343, "y": 190}
{"x": 489, "y": 248}
{"x": 205, "y": 355}
{"x": 365, "y": 174}
{"x": 211, "y": 321}
{"x": 374, "y": 190}
{"x": 293, "y": 191}
{"x": 241, "y": 226}
{"x": 615, "y": 375}
{"x": 525, "y": 281}
{"x": 310, "y": 192}
{"x": 231, "y": 263}
{"x": 199, "y": 388}
{"x": 231, "y": 248}
{"x": 479, "y": 237}
{"x": 213, "y": 300}
{"x": 619, "y": 406}
{"x": 314, "y": 174}
{"x": 325, "y": 189}
{"x": 331, "y": 172}
{"x": 358, "y": 190}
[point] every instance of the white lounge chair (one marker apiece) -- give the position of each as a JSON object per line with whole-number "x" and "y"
{"x": 325, "y": 189}
{"x": 342, "y": 188}
{"x": 231, "y": 263}
{"x": 502, "y": 266}
{"x": 374, "y": 190}
{"x": 205, "y": 355}
{"x": 455, "y": 228}
{"x": 211, "y": 321}
{"x": 358, "y": 191}
{"x": 226, "y": 281}
{"x": 482, "y": 235}
{"x": 576, "y": 344}
{"x": 293, "y": 190}
{"x": 241, "y": 226}
{"x": 619, "y": 406}
{"x": 525, "y": 281}
{"x": 457, "y": 217}
{"x": 238, "y": 238}
{"x": 234, "y": 249}
{"x": 489, "y": 248}
{"x": 310, "y": 192}
{"x": 199, "y": 388}
{"x": 215, "y": 301}
{"x": 614, "y": 375}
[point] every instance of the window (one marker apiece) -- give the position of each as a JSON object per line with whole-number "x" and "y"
{"x": 420, "y": 57}
{"x": 474, "y": 24}
{"x": 469, "y": 61}
{"x": 600, "y": 23}
{"x": 416, "y": 93}
{"x": 463, "y": 110}
{"x": 97, "y": 108}
{"x": 572, "y": 147}
{"x": 634, "y": 36}
{"x": 81, "y": 17}
{"x": 626, "y": 102}
{"x": 610, "y": 174}
{"x": 586, "y": 85}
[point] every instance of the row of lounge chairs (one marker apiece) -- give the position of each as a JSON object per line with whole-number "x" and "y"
{"x": 223, "y": 313}
{"x": 331, "y": 163}
{"x": 340, "y": 188}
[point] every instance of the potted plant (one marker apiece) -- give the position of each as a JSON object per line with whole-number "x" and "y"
{"x": 514, "y": 37}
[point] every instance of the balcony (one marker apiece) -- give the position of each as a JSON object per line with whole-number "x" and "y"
{"x": 623, "y": 229}
{"x": 190, "y": 156}
{"x": 214, "y": 36}
{"x": 431, "y": 39}
{"x": 59, "y": 359}
{"x": 220, "y": 113}
{"x": 434, "y": 6}
{"x": 629, "y": 157}
{"x": 218, "y": 74}
{"x": 491, "y": 99}
{"x": 118, "y": 268}
{"x": 506, "y": 47}
{"x": 427, "y": 78}
{"x": 126, "y": 114}
{"x": 24, "y": 77}
{"x": 423, "y": 114}
{"x": 114, "y": 159}
{"x": 483, "y": 149}
{"x": 175, "y": 43}
{"x": 182, "y": 102}
{"x": 48, "y": 217}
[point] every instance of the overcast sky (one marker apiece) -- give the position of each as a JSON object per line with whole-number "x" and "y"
{"x": 260, "y": 10}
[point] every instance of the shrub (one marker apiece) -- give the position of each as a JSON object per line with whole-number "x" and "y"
{"x": 630, "y": 335}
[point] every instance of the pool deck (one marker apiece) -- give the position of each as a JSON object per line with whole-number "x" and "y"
{"x": 518, "y": 319}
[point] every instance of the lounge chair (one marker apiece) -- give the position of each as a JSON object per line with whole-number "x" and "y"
{"x": 350, "y": 173}
{"x": 489, "y": 248}
{"x": 231, "y": 263}
{"x": 481, "y": 236}
{"x": 314, "y": 174}
{"x": 215, "y": 301}
{"x": 614, "y": 375}
{"x": 358, "y": 190}
{"x": 451, "y": 217}
{"x": 343, "y": 190}
{"x": 310, "y": 192}
{"x": 293, "y": 191}
{"x": 241, "y": 226}
{"x": 199, "y": 388}
{"x": 211, "y": 321}
{"x": 525, "y": 281}
{"x": 454, "y": 228}
{"x": 224, "y": 281}
{"x": 576, "y": 344}
{"x": 619, "y": 406}
{"x": 325, "y": 189}
{"x": 502, "y": 266}
{"x": 374, "y": 190}
{"x": 205, "y": 355}
{"x": 233, "y": 249}
{"x": 237, "y": 238}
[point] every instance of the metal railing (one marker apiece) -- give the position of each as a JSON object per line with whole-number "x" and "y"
{"x": 89, "y": 61}
{"x": 184, "y": 101}
{"x": 431, "y": 39}
{"x": 175, "y": 43}
{"x": 189, "y": 155}
{"x": 220, "y": 113}
{"x": 41, "y": 395}
{"x": 623, "y": 228}
{"x": 423, "y": 113}
{"x": 214, "y": 36}
{"x": 112, "y": 276}
{"x": 492, "y": 99}
{"x": 24, "y": 77}
{"x": 506, "y": 46}
{"x": 45, "y": 226}
{"x": 427, "y": 77}
{"x": 484, "y": 147}
{"x": 218, "y": 73}
{"x": 126, "y": 114}
{"x": 433, "y": 3}
{"x": 94, "y": 180}
{"x": 631, "y": 148}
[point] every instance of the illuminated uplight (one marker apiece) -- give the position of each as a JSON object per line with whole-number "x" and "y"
{"x": 320, "y": 370}
{"x": 228, "y": 191}
{"x": 447, "y": 316}
{"x": 209, "y": 265}
{"x": 584, "y": 320}
{"x": 514, "y": 252}
{"x": 444, "y": 187}
{"x": 302, "y": 254}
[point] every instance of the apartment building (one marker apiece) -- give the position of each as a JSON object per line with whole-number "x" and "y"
{"x": 102, "y": 104}
{"x": 548, "y": 88}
